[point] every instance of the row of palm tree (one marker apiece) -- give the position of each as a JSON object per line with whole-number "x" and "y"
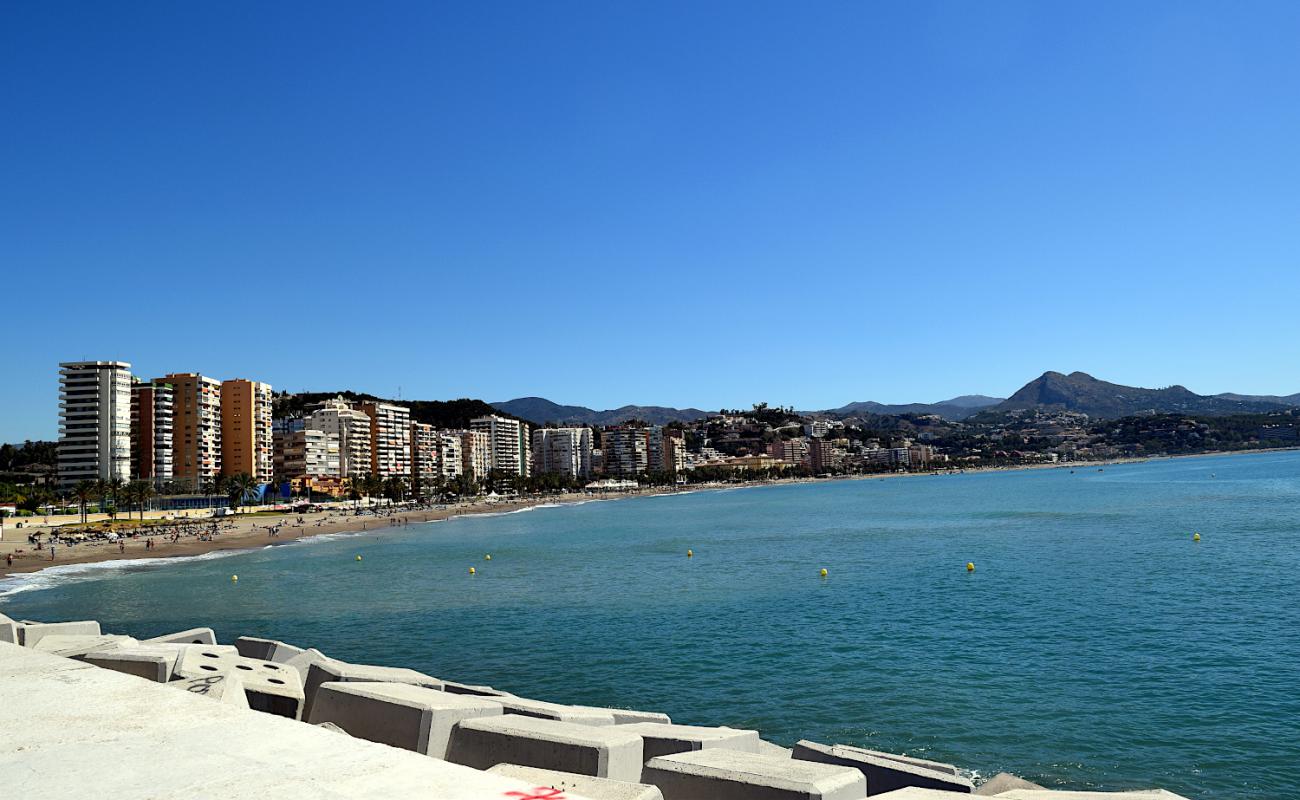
{"x": 113, "y": 495}
{"x": 360, "y": 486}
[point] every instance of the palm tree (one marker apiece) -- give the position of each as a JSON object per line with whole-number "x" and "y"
{"x": 83, "y": 491}
{"x": 139, "y": 493}
{"x": 211, "y": 486}
{"x": 240, "y": 487}
{"x": 357, "y": 488}
{"x": 115, "y": 487}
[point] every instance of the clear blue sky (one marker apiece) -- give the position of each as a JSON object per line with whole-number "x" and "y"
{"x": 705, "y": 204}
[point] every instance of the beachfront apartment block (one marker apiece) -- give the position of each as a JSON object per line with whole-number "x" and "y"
{"x": 94, "y": 421}
{"x": 306, "y": 452}
{"x": 791, "y": 451}
{"x": 563, "y": 450}
{"x": 196, "y": 427}
{"x": 152, "y": 407}
{"x": 390, "y": 439}
{"x": 351, "y": 428}
{"x": 476, "y": 453}
{"x": 451, "y": 454}
{"x": 509, "y": 448}
{"x": 247, "y": 445}
{"x": 625, "y": 452}
{"x": 424, "y": 454}
{"x": 673, "y": 451}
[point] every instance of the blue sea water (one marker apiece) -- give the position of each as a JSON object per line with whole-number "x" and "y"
{"x": 1095, "y": 645}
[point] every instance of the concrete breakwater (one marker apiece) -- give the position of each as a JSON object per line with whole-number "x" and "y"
{"x": 182, "y": 716}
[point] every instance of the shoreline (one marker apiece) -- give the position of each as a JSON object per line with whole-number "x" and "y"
{"x": 249, "y": 531}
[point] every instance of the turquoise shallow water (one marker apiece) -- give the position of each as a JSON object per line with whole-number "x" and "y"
{"x": 1095, "y": 646}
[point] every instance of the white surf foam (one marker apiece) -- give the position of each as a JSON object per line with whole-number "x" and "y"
{"x": 75, "y": 573}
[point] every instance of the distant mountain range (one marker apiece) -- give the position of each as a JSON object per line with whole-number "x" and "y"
{"x": 956, "y": 408}
{"x": 539, "y": 410}
{"x": 1077, "y": 391}
{"x": 1081, "y": 392}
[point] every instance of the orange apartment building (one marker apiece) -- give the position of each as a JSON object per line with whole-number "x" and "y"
{"x": 247, "y": 444}
{"x": 196, "y": 427}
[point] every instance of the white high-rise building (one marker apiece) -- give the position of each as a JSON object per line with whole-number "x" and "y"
{"x": 563, "y": 450}
{"x": 352, "y": 428}
{"x": 307, "y": 452}
{"x": 475, "y": 453}
{"x": 508, "y": 444}
{"x": 450, "y": 455}
{"x": 94, "y": 421}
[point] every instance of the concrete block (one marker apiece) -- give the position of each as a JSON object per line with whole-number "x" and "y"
{"x": 886, "y": 772}
{"x": 585, "y": 785}
{"x": 267, "y": 649}
{"x": 191, "y": 636}
{"x": 31, "y": 633}
{"x": 602, "y": 752}
{"x": 1003, "y": 782}
{"x": 88, "y": 731}
{"x": 77, "y": 646}
{"x": 626, "y": 716}
{"x": 578, "y": 715}
{"x": 273, "y": 688}
{"x": 767, "y": 748}
{"x": 224, "y": 688}
{"x": 665, "y": 739}
{"x": 327, "y": 670}
{"x": 914, "y": 793}
{"x": 8, "y": 630}
{"x": 1049, "y": 794}
{"x": 733, "y": 775}
{"x": 148, "y": 664}
{"x": 469, "y": 688}
{"x": 302, "y": 661}
{"x": 398, "y": 714}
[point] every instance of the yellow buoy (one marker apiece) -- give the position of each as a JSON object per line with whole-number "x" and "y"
{"x": 472, "y": 570}
{"x": 824, "y": 572}
{"x": 234, "y": 578}
{"x": 1196, "y": 537}
{"x": 358, "y": 558}
{"x": 970, "y": 566}
{"x": 487, "y": 557}
{"x": 690, "y": 553}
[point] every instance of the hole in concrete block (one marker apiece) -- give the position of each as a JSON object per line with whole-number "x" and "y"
{"x": 208, "y": 667}
{"x": 243, "y": 666}
{"x": 276, "y": 681}
{"x": 212, "y": 655}
{"x": 269, "y": 666}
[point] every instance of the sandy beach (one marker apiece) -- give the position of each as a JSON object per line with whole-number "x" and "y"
{"x": 243, "y": 531}
{"x": 252, "y": 528}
